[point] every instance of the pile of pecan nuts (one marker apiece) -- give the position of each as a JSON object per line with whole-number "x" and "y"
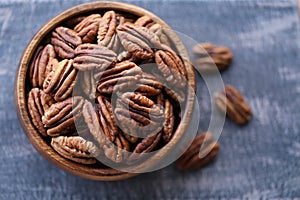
{"x": 130, "y": 80}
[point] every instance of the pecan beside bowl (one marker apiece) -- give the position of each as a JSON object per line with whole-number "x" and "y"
{"x": 67, "y": 48}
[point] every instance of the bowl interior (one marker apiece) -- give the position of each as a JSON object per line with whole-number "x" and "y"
{"x": 22, "y": 88}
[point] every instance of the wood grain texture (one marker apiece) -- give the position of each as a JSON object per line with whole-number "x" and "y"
{"x": 258, "y": 161}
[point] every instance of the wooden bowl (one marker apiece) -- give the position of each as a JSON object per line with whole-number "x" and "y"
{"x": 22, "y": 88}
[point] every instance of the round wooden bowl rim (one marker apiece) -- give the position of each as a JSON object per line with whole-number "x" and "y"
{"x": 20, "y": 94}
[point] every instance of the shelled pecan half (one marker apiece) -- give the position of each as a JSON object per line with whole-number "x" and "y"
{"x": 111, "y": 150}
{"x": 61, "y": 80}
{"x": 148, "y": 85}
{"x": 147, "y": 22}
{"x": 171, "y": 67}
{"x": 93, "y": 56}
{"x": 194, "y": 159}
{"x": 87, "y": 29}
{"x": 147, "y": 145}
{"x": 232, "y": 102}
{"x": 138, "y": 41}
{"x": 211, "y": 55}
{"x": 144, "y": 21}
{"x": 42, "y": 65}
{"x": 65, "y": 41}
{"x": 75, "y": 148}
{"x": 123, "y": 76}
{"x": 107, "y": 35}
{"x": 107, "y": 118}
{"x": 168, "y": 129}
{"x": 59, "y": 118}
{"x": 38, "y": 103}
{"x": 138, "y": 115}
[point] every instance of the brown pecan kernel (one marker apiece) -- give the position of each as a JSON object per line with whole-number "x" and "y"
{"x": 194, "y": 159}
{"x": 65, "y": 41}
{"x": 110, "y": 150}
{"x": 168, "y": 128}
{"x": 148, "y": 85}
{"x": 107, "y": 31}
{"x": 75, "y": 148}
{"x": 107, "y": 118}
{"x": 61, "y": 80}
{"x": 148, "y": 143}
{"x": 123, "y": 75}
{"x": 158, "y": 30}
{"x": 137, "y": 114}
{"x": 38, "y": 103}
{"x": 211, "y": 56}
{"x": 231, "y": 102}
{"x": 93, "y": 56}
{"x": 59, "y": 118}
{"x": 144, "y": 21}
{"x": 138, "y": 41}
{"x": 87, "y": 29}
{"x": 171, "y": 67}
{"x": 147, "y": 22}
{"x": 41, "y": 65}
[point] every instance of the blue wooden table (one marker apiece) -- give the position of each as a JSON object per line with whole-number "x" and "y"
{"x": 258, "y": 161}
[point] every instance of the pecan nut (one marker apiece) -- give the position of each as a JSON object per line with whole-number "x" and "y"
{"x": 137, "y": 114}
{"x": 147, "y": 145}
{"x": 38, "y": 103}
{"x": 107, "y": 118}
{"x": 212, "y": 55}
{"x": 65, "y": 41}
{"x": 138, "y": 41}
{"x": 93, "y": 56}
{"x": 231, "y": 102}
{"x": 171, "y": 67}
{"x": 122, "y": 76}
{"x": 107, "y": 35}
{"x": 59, "y": 118}
{"x": 148, "y": 85}
{"x": 193, "y": 158}
{"x": 61, "y": 80}
{"x": 42, "y": 65}
{"x": 160, "y": 32}
{"x": 168, "y": 129}
{"x": 147, "y": 22}
{"x": 87, "y": 29}
{"x": 110, "y": 150}
{"x": 75, "y": 148}
{"x": 144, "y": 21}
